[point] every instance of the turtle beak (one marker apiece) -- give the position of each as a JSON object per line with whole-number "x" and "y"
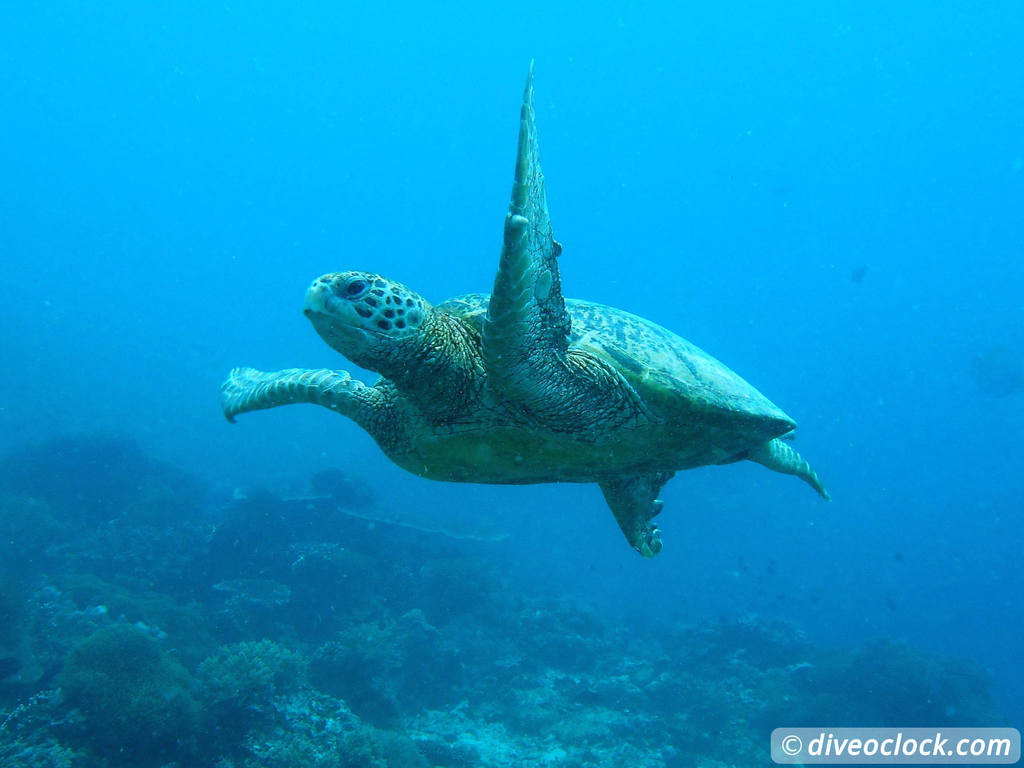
{"x": 332, "y": 317}
{"x": 323, "y": 306}
{"x": 317, "y": 299}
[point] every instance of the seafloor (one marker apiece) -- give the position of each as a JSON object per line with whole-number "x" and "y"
{"x": 145, "y": 623}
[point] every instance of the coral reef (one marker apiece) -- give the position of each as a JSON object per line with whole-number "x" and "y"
{"x": 101, "y": 477}
{"x": 135, "y": 699}
{"x": 29, "y": 734}
{"x": 242, "y": 677}
{"x": 135, "y": 632}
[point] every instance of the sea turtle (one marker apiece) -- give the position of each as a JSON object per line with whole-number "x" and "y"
{"x": 523, "y": 386}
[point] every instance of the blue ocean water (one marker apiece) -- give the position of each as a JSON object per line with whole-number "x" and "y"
{"x": 826, "y": 197}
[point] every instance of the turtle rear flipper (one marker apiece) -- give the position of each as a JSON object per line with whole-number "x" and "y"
{"x": 633, "y": 501}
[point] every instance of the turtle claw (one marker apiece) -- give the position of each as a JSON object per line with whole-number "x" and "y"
{"x": 633, "y": 501}
{"x": 649, "y": 537}
{"x": 649, "y": 543}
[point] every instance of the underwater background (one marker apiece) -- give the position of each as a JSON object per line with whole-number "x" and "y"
{"x": 826, "y": 197}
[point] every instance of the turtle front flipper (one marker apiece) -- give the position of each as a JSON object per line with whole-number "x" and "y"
{"x": 527, "y": 325}
{"x": 247, "y": 389}
{"x": 524, "y": 337}
{"x": 634, "y": 502}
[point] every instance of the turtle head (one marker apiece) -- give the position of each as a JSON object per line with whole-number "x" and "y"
{"x": 369, "y": 319}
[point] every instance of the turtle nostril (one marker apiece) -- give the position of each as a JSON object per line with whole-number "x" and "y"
{"x": 307, "y": 312}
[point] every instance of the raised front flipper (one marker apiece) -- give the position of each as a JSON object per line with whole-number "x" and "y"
{"x": 525, "y": 332}
{"x": 527, "y": 326}
{"x": 247, "y": 389}
{"x": 634, "y": 502}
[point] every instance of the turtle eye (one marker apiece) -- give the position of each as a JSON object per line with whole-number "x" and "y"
{"x": 355, "y": 288}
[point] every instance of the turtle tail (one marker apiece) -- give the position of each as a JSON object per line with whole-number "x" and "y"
{"x": 779, "y": 456}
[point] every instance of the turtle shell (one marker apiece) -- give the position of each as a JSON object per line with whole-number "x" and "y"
{"x": 698, "y": 401}
{"x": 664, "y": 367}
